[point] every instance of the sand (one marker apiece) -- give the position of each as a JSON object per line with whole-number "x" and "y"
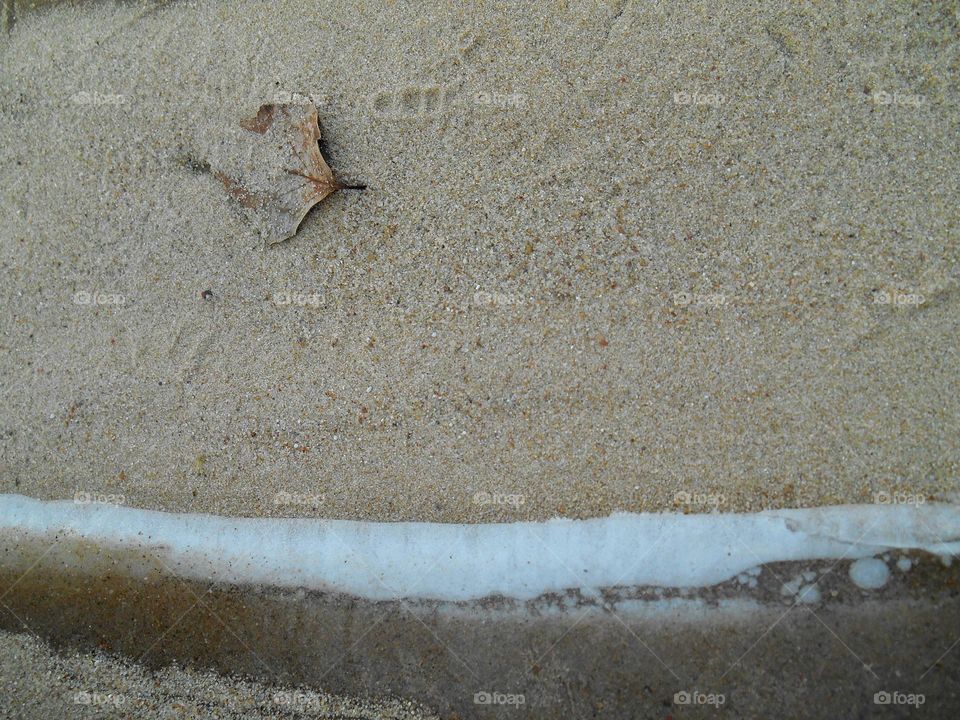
{"x": 611, "y": 256}
{"x": 41, "y": 682}
{"x": 608, "y": 255}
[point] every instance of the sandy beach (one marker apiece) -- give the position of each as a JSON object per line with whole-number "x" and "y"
{"x": 607, "y": 257}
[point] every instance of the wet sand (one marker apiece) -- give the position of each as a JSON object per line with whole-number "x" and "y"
{"x": 40, "y": 681}
{"x": 621, "y": 654}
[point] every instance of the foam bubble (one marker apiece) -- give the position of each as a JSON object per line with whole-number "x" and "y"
{"x": 869, "y": 573}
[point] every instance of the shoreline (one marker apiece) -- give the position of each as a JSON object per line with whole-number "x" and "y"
{"x": 454, "y": 562}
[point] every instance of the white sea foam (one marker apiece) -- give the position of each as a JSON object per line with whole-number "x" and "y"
{"x": 518, "y": 560}
{"x": 869, "y": 573}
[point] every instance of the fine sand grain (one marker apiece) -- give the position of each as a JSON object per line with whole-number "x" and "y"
{"x": 626, "y": 256}
{"x": 40, "y": 683}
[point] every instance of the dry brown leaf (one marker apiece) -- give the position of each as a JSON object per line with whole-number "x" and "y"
{"x": 287, "y": 175}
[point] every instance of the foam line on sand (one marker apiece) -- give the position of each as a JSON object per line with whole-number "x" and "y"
{"x": 455, "y": 562}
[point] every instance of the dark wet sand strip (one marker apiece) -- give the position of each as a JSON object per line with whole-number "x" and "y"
{"x": 566, "y": 655}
